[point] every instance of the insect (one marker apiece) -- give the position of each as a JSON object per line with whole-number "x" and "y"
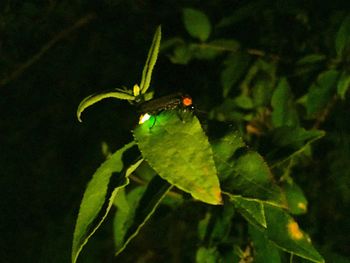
{"x": 169, "y": 102}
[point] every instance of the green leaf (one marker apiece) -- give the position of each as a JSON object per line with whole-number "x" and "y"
{"x": 230, "y": 45}
{"x": 235, "y": 66}
{"x": 253, "y": 177}
{"x": 179, "y": 151}
{"x": 291, "y": 141}
{"x": 207, "y": 255}
{"x": 342, "y": 40}
{"x": 223, "y": 150}
{"x": 95, "y": 196}
{"x": 133, "y": 213}
{"x": 311, "y": 59}
{"x": 321, "y": 92}
{"x": 284, "y": 232}
{"x": 126, "y": 206}
{"x": 343, "y": 84}
{"x": 265, "y": 251}
{"x": 151, "y": 61}
{"x": 196, "y": 23}
{"x": 297, "y": 203}
{"x": 246, "y": 11}
{"x": 182, "y": 54}
{"x": 92, "y": 99}
{"x": 216, "y": 225}
{"x": 243, "y": 171}
{"x": 251, "y": 209}
{"x": 284, "y": 112}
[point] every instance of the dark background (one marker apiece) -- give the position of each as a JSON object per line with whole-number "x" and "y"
{"x": 47, "y": 156}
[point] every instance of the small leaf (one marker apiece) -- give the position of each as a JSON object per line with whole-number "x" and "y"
{"x": 132, "y": 215}
{"x": 284, "y": 112}
{"x": 179, "y": 151}
{"x": 230, "y": 45}
{"x": 342, "y": 40}
{"x": 246, "y": 11}
{"x": 94, "y": 198}
{"x": 196, "y": 23}
{"x": 311, "y": 59}
{"x": 321, "y": 92}
{"x": 343, "y": 84}
{"x": 251, "y": 209}
{"x": 151, "y": 61}
{"x": 182, "y": 54}
{"x": 92, "y": 99}
{"x": 297, "y": 203}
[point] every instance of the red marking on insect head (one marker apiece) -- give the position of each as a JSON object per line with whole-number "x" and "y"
{"x": 187, "y": 101}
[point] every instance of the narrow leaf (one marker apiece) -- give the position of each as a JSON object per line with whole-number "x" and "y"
{"x": 94, "y": 199}
{"x": 321, "y": 92}
{"x": 92, "y": 99}
{"x": 311, "y": 59}
{"x": 196, "y": 23}
{"x": 342, "y": 40}
{"x": 179, "y": 151}
{"x": 140, "y": 207}
{"x": 343, "y": 84}
{"x": 151, "y": 61}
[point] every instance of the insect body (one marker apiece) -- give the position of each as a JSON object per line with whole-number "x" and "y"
{"x": 170, "y": 102}
{"x": 173, "y": 101}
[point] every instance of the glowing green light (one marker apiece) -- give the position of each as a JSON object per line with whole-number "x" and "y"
{"x": 144, "y": 117}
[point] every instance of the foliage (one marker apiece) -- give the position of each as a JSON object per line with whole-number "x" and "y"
{"x": 174, "y": 144}
{"x": 255, "y": 172}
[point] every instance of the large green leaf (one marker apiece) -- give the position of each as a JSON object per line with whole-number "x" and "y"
{"x": 321, "y": 92}
{"x": 286, "y": 234}
{"x": 279, "y": 227}
{"x": 135, "y": 209}
{"x": 92, "y": 99}
{"x": 177, "y": 148}
{"x": 196, "y": 23}
{"x": 284, "y": 112}
{"x": 151, "y": 61}
{"x": 342, "y": 40}
{"x": 95, "y": 197}
{"x": 244, "y": 172}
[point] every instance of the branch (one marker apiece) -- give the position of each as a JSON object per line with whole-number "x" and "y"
{"x": 61, "y": 35}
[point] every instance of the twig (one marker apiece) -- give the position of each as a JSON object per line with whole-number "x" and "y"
{"x": 61, "y": 35}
